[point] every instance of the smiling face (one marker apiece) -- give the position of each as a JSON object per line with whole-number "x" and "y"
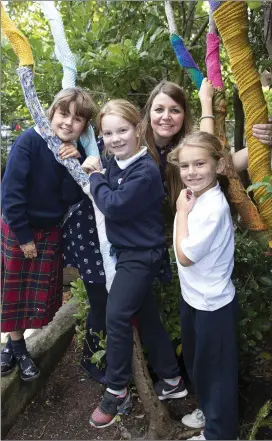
{"x": 198, "y": 169}
{"x": 166, "y": 118}
{"x": 67, "y": 125}
{"x": 119, "y": 135}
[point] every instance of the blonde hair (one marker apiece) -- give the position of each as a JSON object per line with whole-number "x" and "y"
{"x": 204, "y": 140}
{"x": 175, "y": 92}
{"x": 124, "y": 109}
{"x": 84, "y": 105}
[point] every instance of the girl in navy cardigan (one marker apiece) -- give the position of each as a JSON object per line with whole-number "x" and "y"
{"x": 130, "y": 195}
{"x": 36, "y": 194}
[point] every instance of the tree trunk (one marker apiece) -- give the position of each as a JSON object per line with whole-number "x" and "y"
{"x": 268, "y": 27}
{"x": 160, "y": 423}
{"x": 239, "y": 128}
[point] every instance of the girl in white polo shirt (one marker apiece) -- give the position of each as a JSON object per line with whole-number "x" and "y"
{"x": 204, "y": 248}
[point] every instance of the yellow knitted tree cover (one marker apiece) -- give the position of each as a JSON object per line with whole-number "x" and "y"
{"x": 245, "y": 207}
{"x": 231, "y": 19}
{"x": 19, "y": 42}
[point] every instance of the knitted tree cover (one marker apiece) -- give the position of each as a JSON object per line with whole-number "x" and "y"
{"x": 237, "y": 194}
{"x": 231, "y": 19}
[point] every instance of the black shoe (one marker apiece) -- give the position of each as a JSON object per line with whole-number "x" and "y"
{"x": 166, "y": 392}
{"x": 8, "y": 362}
{"x": 28, "y": 369}
{"x": 91, "y": 369}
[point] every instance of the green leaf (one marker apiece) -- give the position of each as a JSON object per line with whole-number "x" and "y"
{"x": 139, "y": 43}
{"x": 266, "y": 280}
{"x": 97, "y": 356}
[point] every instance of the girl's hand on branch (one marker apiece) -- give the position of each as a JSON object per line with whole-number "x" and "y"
{"x": 185, "y": 201}
{"x": 206, "y": 90}
{"x": 68, "y": 150}
{"x": 263, "y": 132}
{"x": 92, "y": 164}
{"x": 29, "y": 250}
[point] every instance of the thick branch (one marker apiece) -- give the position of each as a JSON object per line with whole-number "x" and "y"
{"x": 190, "y": 21}
{"x": 198, "y": 35}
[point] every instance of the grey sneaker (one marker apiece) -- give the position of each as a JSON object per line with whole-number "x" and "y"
{"x": 199, "y": 437}
{"x": 195, "y": 420}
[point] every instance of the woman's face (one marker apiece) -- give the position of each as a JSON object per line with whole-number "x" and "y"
{"x": 166, "y": 118}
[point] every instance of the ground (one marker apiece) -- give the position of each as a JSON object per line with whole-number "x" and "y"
{"x": 62, "y": 409}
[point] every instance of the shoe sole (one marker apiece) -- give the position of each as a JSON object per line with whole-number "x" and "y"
{"x": 171, "y": 396}
{"x": 32, "y": 378}
{"x": 127, "y": 406}
{"x": 193, "y": 427}
{"x": 4, "y": 374}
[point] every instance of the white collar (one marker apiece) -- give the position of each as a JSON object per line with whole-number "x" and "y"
{"x": 209, "y": 193}
{"x": 124, "y": 163}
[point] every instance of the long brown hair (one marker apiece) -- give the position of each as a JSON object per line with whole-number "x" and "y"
{"x": 175, "y": 92}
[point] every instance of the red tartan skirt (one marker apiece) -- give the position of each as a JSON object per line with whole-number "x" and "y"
{"x": 31, "y": 289}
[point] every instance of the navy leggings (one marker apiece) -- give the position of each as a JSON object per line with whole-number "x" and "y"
{"x": 209, "y": 344}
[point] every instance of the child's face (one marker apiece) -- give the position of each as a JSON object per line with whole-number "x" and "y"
{"x": 119, "y": 136}
{"x": 66, "y": 125}
{"x": 198, "y": 169}
{"x": 166, "y": 118}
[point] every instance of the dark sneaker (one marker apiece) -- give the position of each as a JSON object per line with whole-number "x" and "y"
{"x": 28, "y": 369}
{"x": 110, "y": 407}
{"x": 166, "y": 392}
{"x": 91, "y": 369}
{"x": 8, "y": 362}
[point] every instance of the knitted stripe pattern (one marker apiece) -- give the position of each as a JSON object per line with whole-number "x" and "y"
{"x": 185, "y": 60}
{"x": 213, "y": 61}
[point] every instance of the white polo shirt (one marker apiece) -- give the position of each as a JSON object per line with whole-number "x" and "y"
{"x": 206, "y": 284}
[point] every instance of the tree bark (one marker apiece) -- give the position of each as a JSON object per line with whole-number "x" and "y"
{"x": 160, "y": 423}
{"x": 268, "y": 27}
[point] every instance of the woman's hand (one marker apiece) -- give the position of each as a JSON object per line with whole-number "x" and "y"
{"x": 92, "y": 164}
{"x": 206, "y": 90}
{"x": 263, "y": 132}
{"x": 68, "y": 150}
{"x": 29, "y": 250}
{"x": 185, "y": 201}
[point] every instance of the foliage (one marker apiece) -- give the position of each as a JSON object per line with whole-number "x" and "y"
{"x": 168, "y": 298}
{"x": 122, "y": 50}
{"x": 261, "y": 420}
{"x": 267, "y": 183}
{"x": 81, "y": 300}
{"x": 252, "y": 277}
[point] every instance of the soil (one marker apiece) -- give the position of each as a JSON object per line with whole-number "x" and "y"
{"x": 62, "y": 409}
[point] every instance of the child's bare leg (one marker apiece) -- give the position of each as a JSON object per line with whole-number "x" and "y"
{"x": 17, "y": 335}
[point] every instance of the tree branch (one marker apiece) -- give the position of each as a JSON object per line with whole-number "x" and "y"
{"x": 198, "y": 35}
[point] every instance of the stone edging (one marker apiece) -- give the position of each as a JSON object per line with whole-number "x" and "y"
{"x": 47, "y": 346}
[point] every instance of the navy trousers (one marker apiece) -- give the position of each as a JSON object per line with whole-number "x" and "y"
{"x": 131, "y": 295}
{"x": 209, "y": 344}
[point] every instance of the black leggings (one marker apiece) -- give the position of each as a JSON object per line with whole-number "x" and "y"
{"x": 96, "y": 319}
